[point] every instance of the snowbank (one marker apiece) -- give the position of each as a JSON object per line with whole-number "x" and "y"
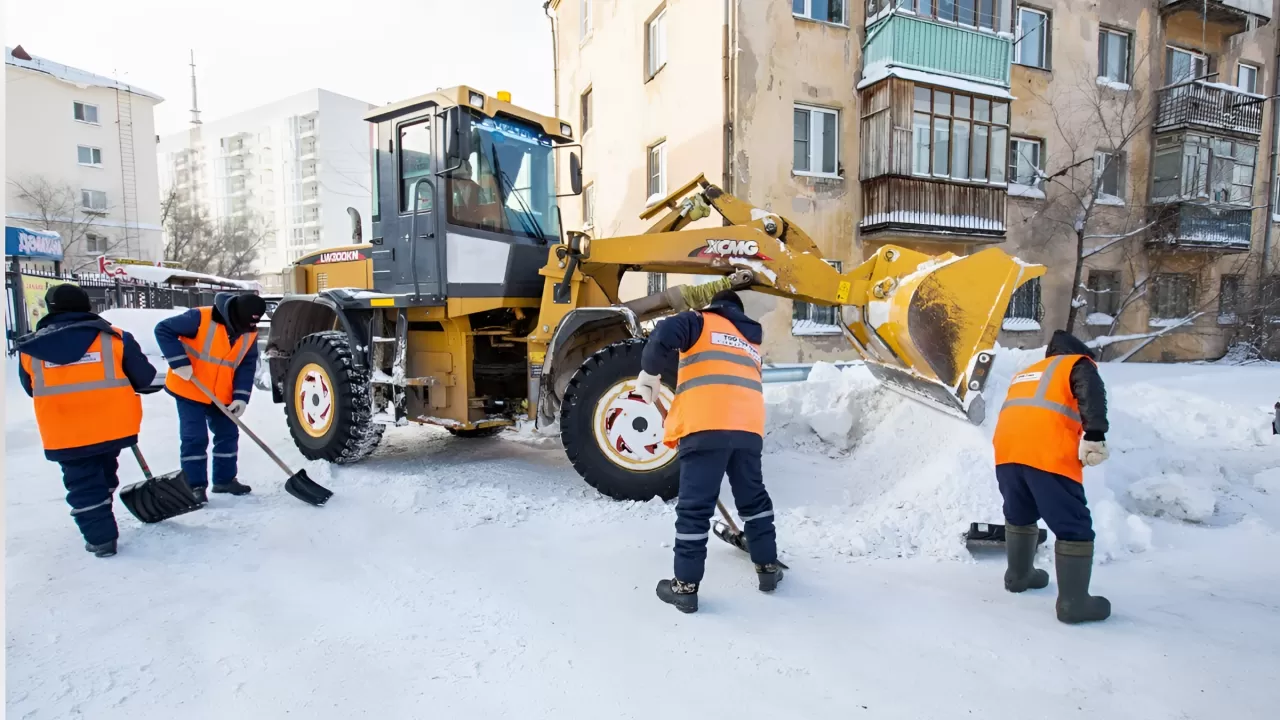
{"x": 141, "y": 323}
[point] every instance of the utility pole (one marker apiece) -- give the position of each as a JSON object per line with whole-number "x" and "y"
{"x": 195, "y": 105}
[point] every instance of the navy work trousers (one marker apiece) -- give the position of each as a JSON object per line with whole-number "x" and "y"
{"x": 1030, "y": 494}
{"x": 90, "y": 483}
{"x": 703, "y": 465}
{"x": 193, "y": 419}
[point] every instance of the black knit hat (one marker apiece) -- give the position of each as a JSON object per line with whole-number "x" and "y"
{"x": 67, "y": 298}
{"x": 727, "y": 297}
{"x": 245, "y": 312}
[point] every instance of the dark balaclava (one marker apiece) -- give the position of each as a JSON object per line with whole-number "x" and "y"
{"x": 67, "y": 298}
{"x": 245, "y": 312}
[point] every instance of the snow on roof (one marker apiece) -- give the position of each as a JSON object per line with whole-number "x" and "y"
{"x": 880, "y": 71}
{"x": 75, "y": 76}
{"x": 164, "y": 275}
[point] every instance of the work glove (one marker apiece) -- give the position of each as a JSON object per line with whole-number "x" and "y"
{"x": 236, "y": 408}
{"x": 1093, "y": 452}
{"x": 648, "y": 387}
{"x": 183, "y": 372}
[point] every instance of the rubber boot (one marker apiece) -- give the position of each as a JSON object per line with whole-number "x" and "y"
{"x": 1020, "y": 543}
{"x": 1074, "y": 562}
{"x": 681, "y": 594}
{"x": 106, "y": 549}
{"x": 769, "y": 576}
{"x": 202, "y": 495}
{"x": 232, "y": 487}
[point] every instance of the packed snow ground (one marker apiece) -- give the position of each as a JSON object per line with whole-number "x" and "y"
{"x": 478, "y": 579}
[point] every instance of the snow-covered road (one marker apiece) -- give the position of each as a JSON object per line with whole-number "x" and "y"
{"x": 484, "y": 579}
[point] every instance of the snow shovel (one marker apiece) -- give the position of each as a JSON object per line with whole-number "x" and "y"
{"x": 158, "y": 498}
{"x": 991, "y": 535}
{"x": 298, "y": 484}
{"x": 727, "y": 530}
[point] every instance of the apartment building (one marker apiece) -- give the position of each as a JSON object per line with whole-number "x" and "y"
{"x": 292, "y": 168}
{"x": 80, "y": 153}
{"x": 954, "y": 125}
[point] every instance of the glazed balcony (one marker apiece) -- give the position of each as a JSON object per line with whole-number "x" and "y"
{"x": 1201, "y": 228}
{"x": 910, "y": 43}
{"x": 932, "y": 209}
{"x": 1209, "y": 106}
{"x": 1240, "y": 14}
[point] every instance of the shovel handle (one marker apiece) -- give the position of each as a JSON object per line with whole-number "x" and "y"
{"x": 241, "y": 425}
{"x": 657, "y": 403}
{"x": 142, "y": 463}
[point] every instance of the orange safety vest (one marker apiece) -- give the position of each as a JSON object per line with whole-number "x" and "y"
{"x": 1039, "y": 423}
{"x": 719, "y": 386}
{"x": 85, "y": 402}
{"x": 214, "y": 360}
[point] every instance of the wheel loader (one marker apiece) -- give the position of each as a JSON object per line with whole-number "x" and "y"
{"x": 471, "y": 307}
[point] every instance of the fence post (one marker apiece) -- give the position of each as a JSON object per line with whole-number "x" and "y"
{"x": 19, "y": 302}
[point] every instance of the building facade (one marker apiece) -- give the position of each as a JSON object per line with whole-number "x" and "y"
{"x": 80, "y": 156}
{"x": 1131, "y": 139}
{"x": 291, "y": 168}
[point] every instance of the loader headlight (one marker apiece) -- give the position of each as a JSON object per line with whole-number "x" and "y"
{"x": 476, "y": 99}
{"x": 565, "y": 130}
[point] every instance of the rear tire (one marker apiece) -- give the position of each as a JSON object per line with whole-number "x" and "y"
{"x": 475, "y": 433}
{"x": 613, "y": 439}
{"x": 327, "y": 401}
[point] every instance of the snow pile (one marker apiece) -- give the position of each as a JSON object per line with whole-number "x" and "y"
{"x": 1268, "y": 481}
{"x": 832, "y": 409}
{"x": 141, "y": 323}
{"x": 1178, "y": 496}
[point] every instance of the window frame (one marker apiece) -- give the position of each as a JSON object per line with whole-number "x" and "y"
{"x": 1099, "y": 171}
{"x": 656, "y": 282}
{"x": 807, "y": 310}
{"x": 1169, "y": 51}
{"x": 1159, "y": 287}
{"x": 1001, "y": 159}
{"x": 1112, "y": 292}
{"x": 1010, "y": 176}
{"x": 807, "y": 13}
{"x": 88, "y": 207}
{"x": 92, "y": 151}
{"x": 1232, "y": 316}
{"x": 1034, "y": 289}
{"x": 1257, "y": 76}
{"x": 1103, "y": 32}
{"x": 658, "y": 18}
{"x": 586, "y": 110}
{"x": 586, "y": 21}
{"x": 97, "y": 114}
{"x": 929, "y": 9}
{"x": 95, "y": 238}
{"x": 589, "y": 205}
{"x": 403, "y": 206}
{"x": 660, "y": 147}
{"x": 1046, "y": 30}
{"x": 815, "y": 150}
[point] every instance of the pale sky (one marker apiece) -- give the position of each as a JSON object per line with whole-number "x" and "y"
{"x": 252, "y": 52}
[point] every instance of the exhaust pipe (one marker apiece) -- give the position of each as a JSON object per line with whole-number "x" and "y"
{"x": 357, "y": 232}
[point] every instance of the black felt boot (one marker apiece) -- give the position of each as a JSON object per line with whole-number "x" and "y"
{"x": 681, "y": 594}
{"x": 1074, "y": 562}
{"x": 1020, "y": 543}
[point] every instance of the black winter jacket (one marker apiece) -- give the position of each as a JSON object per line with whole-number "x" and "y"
{"x": 1086, "y": 384}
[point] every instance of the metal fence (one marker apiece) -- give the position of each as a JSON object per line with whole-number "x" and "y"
{"x": 104, "y": 293}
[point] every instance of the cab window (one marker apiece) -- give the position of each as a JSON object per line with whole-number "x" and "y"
{"x": 415, "y": 162}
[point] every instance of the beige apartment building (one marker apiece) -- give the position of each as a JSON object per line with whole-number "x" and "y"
{"x": 1138, "y": 130}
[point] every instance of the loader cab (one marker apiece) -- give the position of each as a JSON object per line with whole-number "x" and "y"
{"x": 465, "y": 196}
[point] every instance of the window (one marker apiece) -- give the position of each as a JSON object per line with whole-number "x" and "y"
{"x": 1172, "y": 296}
{"x": 830, "y": 11}
{"x": 655, "y": 34}
{"x": 85, "y": 113}
{"x": 1108, "y": 176}
{"x": 586, "y": 116}
{"x": 1247, "y": 77}
{"x": 1183, "y": 65}
{"x": 415, "y": 162}
{"x": 959, "y": 136}
{"x": 95, "y": 243}
{"x": 1025, "y": 157}
{"x": 657, "y": 166}
{"x": 1024, "y": 311}
{"x": 1113, "y": 56}
{"x": 973, "y": 13}
{"x": 657, "y": 282}
{"x": 89, "y": 155}
{"x": 589, "y": 206}
{"x": 93, "y": 201}
{"x": 807, "y": 319}
{"x": 1104, "y": 294}
{"x": 1032, "y": 44}
{"x": 816, "y": 141}
{"x": 1229, "y": 300}
{"x": 1196, "y": 167}
{"x": 584, "y": 19}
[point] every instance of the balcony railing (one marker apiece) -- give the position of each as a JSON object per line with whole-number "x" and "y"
{"x": 906, "y": 41}
{"x": 1202, "y": 227}
{"x": 1210, "y": 106}
{"x": 931, "y": 207}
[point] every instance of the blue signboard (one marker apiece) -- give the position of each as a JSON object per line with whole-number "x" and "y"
{"x": 42, "y": 244}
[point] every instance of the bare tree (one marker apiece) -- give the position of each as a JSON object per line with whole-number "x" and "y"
{"x": 57, "y": 207}
{"x": 225, "y": 247}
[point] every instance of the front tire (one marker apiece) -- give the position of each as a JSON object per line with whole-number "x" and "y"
{"x": 614, "y": 439}
{"x": 327, "y": 401}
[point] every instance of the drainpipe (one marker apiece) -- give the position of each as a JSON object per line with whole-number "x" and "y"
{"x": 727, "y": 70}
{"x": 1271, "y": 196}
{"x": 555, "y": 76}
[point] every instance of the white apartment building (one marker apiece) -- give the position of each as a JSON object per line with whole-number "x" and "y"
{"x": 81, "y": 160}
{"x": 296, "y": 165}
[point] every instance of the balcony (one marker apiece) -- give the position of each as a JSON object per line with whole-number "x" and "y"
{"x": 311, "y": 199}
{"x": 910, "y": 43}
{"x": 945, "y": 211}
{"x": 1209, "y": 106}
{"x": 1241, "y": 14}
{"x": 1203, "y": 228}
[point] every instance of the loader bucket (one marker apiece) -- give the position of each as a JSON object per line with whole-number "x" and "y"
{"x": 928, "y": 326}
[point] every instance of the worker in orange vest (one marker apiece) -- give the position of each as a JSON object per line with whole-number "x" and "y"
{"x": 717, "y": 421}
{"x": 1052, "y": 424}
{"x": 84, "y": 376}
{"x": 217, "y": 345}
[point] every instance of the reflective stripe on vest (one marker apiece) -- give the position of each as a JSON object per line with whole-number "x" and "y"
{"x": 719, "y": 386}
{"x": 214, "y": 360}
{"x": 1042, "y": 390}
{"x": 86, "y": 402}
{"x": 206, "y": 353}
{"x": 39, "y": 388}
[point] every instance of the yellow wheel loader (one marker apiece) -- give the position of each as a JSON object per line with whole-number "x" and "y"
{"x": 471, "y": 307}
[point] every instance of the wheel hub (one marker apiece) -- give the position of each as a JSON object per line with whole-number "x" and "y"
{"x": 629, "y": 430}
{"x": 314, "y": 400}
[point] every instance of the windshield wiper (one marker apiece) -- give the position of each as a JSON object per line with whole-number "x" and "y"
{"x": 527, "y": 215}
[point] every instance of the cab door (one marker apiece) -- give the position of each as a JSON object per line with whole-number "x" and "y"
{"x": 411, "y": 166}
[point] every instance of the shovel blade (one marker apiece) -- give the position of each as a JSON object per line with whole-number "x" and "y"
{"x": 992, "y": 535}
{"x": 160, "y": 498}
{"x": 737, "y": 539}
{"x": 307, "y": 490}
